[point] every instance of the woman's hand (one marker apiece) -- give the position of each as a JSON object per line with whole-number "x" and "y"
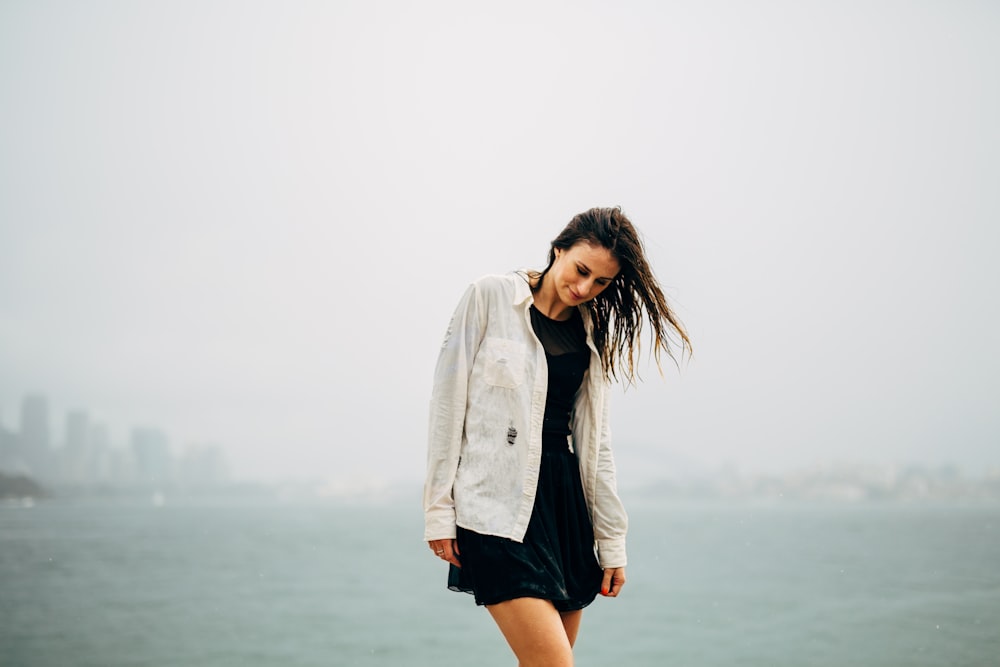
{"x": 614, "y": 579}
{"x": 448, "y": 550}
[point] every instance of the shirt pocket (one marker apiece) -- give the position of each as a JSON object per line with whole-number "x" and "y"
{"x": 503, "y": 362}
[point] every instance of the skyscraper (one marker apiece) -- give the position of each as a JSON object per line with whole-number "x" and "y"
{"x": 10, "y": 457}
{"x": 35, "y": 442}
{"x": 152, "y": 456}
{"x": 99, "y": 468}
{"x": 76, "y": 457}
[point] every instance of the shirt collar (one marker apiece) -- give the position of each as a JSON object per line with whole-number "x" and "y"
{"x": 522, "y": 291}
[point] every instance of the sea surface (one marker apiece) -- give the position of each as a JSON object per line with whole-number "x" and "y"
{"x": 225, "y": 583}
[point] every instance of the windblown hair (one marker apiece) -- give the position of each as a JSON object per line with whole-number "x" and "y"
{"x": 633, "y": 296}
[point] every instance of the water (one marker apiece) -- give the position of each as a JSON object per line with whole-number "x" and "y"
{"x": 258, "y": 583}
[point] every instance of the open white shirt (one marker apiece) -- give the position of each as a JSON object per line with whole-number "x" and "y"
{"x": 490, "y": 381}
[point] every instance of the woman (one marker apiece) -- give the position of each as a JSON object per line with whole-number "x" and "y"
{"x": 520, "y": 496}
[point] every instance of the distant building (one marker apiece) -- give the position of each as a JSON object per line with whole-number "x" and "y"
{"x": 151, "y": 452}
{"x": 99, "y": 468}
{"x": 75, "y": 459}
{"x": 10, "y": 455}
{"x": 121, "y": 467}
{"x": 35, "y": 442}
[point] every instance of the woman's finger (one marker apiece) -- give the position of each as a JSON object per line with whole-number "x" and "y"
{"x": 451, "y": 552}
{"x": 614, "y": 579}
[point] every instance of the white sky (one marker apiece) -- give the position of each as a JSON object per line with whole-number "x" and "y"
{"x": 248, "y": 222}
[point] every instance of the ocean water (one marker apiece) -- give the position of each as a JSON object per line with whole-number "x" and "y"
{"x": 263, "y": 583}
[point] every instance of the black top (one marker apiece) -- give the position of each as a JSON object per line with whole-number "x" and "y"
{"x": 568, "y": 357}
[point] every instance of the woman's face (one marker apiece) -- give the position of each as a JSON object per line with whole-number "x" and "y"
{"x": 582, "y": 272}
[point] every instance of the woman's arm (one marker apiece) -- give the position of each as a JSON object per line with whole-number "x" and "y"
{"x": 447, "y": 415}
{"x": 610, "y": 518}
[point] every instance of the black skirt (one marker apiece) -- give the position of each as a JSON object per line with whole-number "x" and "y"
{"x": 556, "y": 561}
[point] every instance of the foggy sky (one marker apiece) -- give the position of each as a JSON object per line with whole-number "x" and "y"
{"x": 248, "y": 223}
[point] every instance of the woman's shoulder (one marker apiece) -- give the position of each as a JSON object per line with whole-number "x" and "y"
{"x": 502, "y": 284}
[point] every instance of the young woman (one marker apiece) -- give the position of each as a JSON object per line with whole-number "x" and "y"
{"x": 520, "y": 496}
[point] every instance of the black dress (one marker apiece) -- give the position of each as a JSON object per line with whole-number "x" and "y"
{"x": 556, "y": 560}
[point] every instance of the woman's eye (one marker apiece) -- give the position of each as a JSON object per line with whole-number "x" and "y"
{"x": 581, "y": 271}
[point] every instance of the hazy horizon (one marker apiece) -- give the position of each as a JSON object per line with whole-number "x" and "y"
{"x": 249, "y": 224}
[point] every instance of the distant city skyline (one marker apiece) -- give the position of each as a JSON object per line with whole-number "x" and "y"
{"x": 83, "y": 454}
{"x": 85, "y": 457}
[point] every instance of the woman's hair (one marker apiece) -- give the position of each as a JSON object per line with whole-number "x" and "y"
{"x": 617, "y": 312}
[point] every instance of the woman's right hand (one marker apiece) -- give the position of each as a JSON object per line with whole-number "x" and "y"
{"x": 446, "y": 550}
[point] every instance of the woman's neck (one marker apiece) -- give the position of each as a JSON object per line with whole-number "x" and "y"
{"x": 547, "y": 301}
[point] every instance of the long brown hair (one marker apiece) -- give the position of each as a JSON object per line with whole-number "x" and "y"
{"x": 632, "y": 297}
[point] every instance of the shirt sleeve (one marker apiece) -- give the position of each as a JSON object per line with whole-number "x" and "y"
{"x": 446, "y": 422}
{"x": 610, "y": 518}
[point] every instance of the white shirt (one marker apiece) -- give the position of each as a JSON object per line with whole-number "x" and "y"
{"x": 491, "y": 377}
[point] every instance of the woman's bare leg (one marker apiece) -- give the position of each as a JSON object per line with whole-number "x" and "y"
{"x": 571, "y": 623}
{"x": 535, "y": 631}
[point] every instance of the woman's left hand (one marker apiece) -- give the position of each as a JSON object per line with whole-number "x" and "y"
{"x": 614, "y": 579}
{"x": 446, "y": 550}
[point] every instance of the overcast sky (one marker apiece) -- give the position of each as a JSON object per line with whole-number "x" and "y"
{"x": 249, "y": 222}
